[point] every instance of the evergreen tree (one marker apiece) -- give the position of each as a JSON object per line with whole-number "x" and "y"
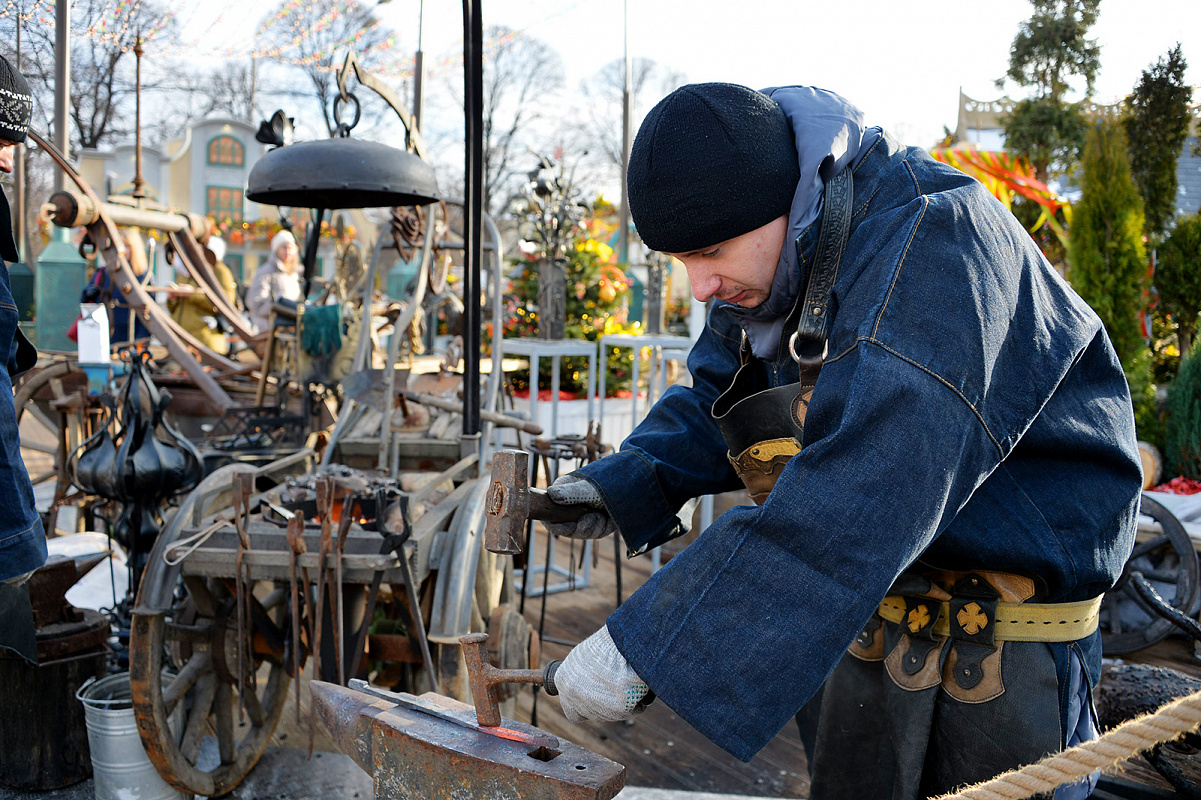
{"x": 1107, "y": 261}
{"x": 1183, "y": 450}
{"x": 1178, "y": 278}
{"x": 1157, "y": 122}
{"x": 1049, "y": 50}
{"x": 1049, "y": 133}
{"x": 597, "y": 295}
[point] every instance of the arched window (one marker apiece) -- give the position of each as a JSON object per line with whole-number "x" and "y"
{"x": 226, "y": 151}
{"x": 224, "y": 202}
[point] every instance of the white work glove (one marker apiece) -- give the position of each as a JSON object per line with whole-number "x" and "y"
{"x": 570, "y": 490}
{"x": 595, "y": 682}
{"x": 17, "y": 580}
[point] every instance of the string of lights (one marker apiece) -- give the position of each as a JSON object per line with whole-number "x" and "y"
{"x": 115, "y": 19}
{"x": 15, "y": 8}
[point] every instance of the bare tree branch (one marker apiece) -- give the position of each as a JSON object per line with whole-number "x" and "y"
{"x": 315, "y": 35}
{"x": 649, "y": 83}
{"x": 522, "y": 80}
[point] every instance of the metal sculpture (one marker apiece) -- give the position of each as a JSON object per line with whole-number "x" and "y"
{"x": 138, "y": 459}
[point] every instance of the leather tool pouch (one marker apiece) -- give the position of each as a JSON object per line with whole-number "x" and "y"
{"x": 763, "y": 426}
{"x": 762, "y": 429}
{"x": 967, "y": 663}
{"x": 914, "y": 662}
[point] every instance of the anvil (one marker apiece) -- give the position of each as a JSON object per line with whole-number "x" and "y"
{"x": 431, "y": 748}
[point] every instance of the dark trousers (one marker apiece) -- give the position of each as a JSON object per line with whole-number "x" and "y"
{"x": 868, "y": 737}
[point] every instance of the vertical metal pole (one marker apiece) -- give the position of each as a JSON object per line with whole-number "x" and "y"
{"x": 254, "y": 82}
{"x": 19, "y": 166}
{"x": 62, "y": 85}
{"x": 418, "y": 70}
{"x": 139, "y": 186}
{"x": 311, "y": 243}
{"x": 473, "y": 106}
{"x": 623, "y": 240}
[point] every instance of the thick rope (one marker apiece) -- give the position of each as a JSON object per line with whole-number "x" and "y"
{"x": 1123, "y": 742}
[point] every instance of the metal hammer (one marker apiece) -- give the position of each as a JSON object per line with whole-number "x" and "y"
{"x": 512, "y": 502}
{"x": 484, "y": 678}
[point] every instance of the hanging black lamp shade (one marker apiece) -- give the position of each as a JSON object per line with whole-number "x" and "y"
{"x": 341, "y": 173}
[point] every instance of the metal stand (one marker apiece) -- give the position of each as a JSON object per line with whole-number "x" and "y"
{"x": 550, "y": 458}
{"x": 662, "y": 346}
{"x": 534, "y": 349}
{"x": 572, "y": 580}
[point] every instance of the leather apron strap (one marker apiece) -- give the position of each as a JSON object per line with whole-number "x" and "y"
{"x": 763, "y": 428}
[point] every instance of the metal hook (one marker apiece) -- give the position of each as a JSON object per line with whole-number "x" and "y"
{"x": 343, "y": 128}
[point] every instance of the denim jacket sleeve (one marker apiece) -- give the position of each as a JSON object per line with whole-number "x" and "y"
{"x": 676, "y": 453}
{"x": 22, "y": 540}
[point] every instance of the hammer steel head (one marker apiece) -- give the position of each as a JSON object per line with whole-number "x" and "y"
{"x": 508, "y": 505}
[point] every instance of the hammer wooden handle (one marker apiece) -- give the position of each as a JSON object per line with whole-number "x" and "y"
{"x": 547, "y": 510}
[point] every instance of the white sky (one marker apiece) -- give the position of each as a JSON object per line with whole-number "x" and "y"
{"x": 901, "y": 61}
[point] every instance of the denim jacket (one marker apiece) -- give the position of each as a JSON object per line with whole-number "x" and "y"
{"x": 970, "y": 413}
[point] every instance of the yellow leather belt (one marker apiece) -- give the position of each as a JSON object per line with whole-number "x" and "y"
{"x": 1019, "y": 622}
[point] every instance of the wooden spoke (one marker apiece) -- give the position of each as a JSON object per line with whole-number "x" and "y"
{"x": 39, "y": 447}
{"x": 193, "y": 634}
{"x": 254, "y": 708}
{"x": 198, "y": 590}
{"x": 42, "y": 418}
{"x": 202, "y": 706}
{"x": 197, "y": 665}
{"x": 274, "y": 598}
{"x": 273, "y": 634}
{"x": 1149, "y": 546}
{"x": 227, "y": 745}
{"x": 1161, "y": 575}
{"x": 45, "y": 476}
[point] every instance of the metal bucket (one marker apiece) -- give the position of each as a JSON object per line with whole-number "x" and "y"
{"x": 120, "y": 767}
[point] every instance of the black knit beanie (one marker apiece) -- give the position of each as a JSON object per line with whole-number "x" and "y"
{"x": 16, "y": 103}
{"x": 711, "y": 161}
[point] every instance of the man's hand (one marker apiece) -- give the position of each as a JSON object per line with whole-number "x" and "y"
{"x": 595, "y": 682}
{"x": 570, "y": 490}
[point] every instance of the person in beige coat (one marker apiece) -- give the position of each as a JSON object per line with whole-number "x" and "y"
{"x": 194, "y": 312}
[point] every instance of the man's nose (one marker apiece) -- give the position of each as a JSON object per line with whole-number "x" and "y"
{"x": 705, "y": 284}
{"x": 6, "y": 159}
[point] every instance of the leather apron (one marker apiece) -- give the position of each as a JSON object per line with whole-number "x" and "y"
{"x": 763, "y": 427}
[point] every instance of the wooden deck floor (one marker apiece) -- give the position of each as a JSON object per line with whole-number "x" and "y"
{"x": 658, "y": 748}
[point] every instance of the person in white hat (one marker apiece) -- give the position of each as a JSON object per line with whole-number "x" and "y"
{"x": 277, "y": 278}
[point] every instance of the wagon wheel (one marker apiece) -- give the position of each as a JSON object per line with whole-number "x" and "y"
{"x": 47, "y": 440}
{"x": 197, "y": 640}
{"x": 1169, "y": 561}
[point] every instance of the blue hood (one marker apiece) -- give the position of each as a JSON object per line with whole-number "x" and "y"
{"x": 830, "y": 135}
